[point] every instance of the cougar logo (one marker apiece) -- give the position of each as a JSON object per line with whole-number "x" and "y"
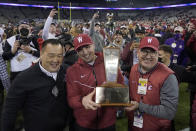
{"x": 149, "y": 40}
{"x": 79, "y": 39}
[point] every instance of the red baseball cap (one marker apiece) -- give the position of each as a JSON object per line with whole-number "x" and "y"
{"x": 82, "y": 40}
{"x": 150, "y": 42}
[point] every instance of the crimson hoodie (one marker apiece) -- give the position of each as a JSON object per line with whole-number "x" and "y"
{"x": 81, "y": 79}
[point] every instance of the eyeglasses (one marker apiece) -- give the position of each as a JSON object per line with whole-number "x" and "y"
{"x": 145, "y": 52}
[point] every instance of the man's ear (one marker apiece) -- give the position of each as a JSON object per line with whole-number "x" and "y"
{"x": 93, "y": 45}
{"x": 41, "y": 54}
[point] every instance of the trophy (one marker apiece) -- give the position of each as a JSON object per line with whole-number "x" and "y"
{"x": 112, "y": 93}
{"x": 110, "y": 25}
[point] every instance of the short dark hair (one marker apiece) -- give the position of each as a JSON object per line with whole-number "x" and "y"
{"x": 52, "y": 42}
{"x": 166, "y": 48}
{"x": 118, "y": 32}
{"x": 53, "y": 24}
{"x": 65, "y": 39}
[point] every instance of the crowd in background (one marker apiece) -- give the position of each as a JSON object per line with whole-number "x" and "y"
{"x": 178, "y": 30}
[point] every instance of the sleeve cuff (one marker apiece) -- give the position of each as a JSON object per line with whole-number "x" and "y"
{"x": 142, "y": 107}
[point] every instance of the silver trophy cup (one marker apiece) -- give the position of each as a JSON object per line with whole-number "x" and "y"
{"x": 112, "y": 93}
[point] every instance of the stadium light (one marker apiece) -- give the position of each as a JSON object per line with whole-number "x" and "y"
{"x": 98, "y": 8}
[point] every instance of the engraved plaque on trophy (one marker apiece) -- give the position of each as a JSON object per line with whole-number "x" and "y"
{"x": 112, "y": 93}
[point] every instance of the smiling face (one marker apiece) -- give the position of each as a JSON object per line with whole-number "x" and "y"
{"x": 52, "y": 29}
{"x": 51, "y": 57}
{"x": 124, "y": 31}
{"x": 148, "y": 58}
{"x": 87, "y": 53}
{"x": 97, "y": 28}
{"x": 118, "y": 38}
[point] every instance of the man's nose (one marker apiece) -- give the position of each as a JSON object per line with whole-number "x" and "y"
{"x": 148, "y": 55}
{"x": 85, "y": 51}
{"x": 56, "y": 59}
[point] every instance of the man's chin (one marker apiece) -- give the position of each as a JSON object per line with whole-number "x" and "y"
{"x": 88, "y": 60}
{"x": 53, "y": 70}
{"x": 146, "y": 67}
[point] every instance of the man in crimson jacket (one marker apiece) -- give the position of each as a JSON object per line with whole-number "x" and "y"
{"x": 82, "y": 78}
{"x": 153, "y": 91}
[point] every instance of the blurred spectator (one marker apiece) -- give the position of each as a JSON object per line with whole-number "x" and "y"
{"x": 21, "y": 50}
{"x": 166, "y": 35}
{"x": 70, "y": 56}
{"x": 191, "y": 50}
{"x": 1, "y": 40}
{"x": 177, "y": 45}
{"x": 191, "y": 43}
{"x": 49, "y": 30}
{"x": 95, "y": 35}
{"x": 129, "y": 54}
{"x": 118, "y": 41}
{"x": 182, "y": 74}
{"x": 125, "y": 33}
{"x": 4, "y": 78}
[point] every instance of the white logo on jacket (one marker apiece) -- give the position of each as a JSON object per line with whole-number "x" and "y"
{"x": 149, "y": 41}
{"x": 82, "y": 76}
{"x": 79, "y": 39}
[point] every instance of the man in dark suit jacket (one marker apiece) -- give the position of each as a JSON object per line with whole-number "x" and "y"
{"x": 40, "y": 92}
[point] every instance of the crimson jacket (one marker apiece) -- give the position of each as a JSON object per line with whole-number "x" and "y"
{"x": 159, "y": 104}
{"x": 191, "y": 48}
{"x": 81, "y": 79}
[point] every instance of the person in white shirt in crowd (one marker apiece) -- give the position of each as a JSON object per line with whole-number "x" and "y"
{"x": 95, "y": 34}
{"x": 49, "y": 31}
{"x": 21, "y": 50}
{"x": 118, "y": 40}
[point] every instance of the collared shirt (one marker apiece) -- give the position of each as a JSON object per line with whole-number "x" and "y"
{"x": 53, "y": 75}
{"x": 92, "y": 63}
{"x": 142, "y": 73}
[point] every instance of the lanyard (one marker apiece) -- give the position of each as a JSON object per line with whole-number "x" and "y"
{"x": 95, "y": 76}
